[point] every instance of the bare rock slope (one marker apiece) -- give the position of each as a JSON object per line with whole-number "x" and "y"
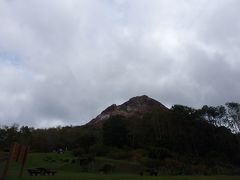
{"x": 136, "y": 106}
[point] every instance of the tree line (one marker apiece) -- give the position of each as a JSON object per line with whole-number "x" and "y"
{"x": 183, "y": 139}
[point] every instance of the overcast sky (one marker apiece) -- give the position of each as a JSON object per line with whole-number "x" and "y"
{"x": 63, "y": 61}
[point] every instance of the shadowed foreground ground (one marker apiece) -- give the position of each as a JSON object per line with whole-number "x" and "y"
{"x": 85, "y": 176}
{"x": 88, "y": 176}
{"x": 68, "y": 171}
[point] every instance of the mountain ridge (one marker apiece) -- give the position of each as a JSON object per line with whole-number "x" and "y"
{"x": 135, "y": 106}
{"x": 227, "y": 116}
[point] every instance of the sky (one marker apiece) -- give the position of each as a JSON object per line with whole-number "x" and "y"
{"x": 64, "y": 61}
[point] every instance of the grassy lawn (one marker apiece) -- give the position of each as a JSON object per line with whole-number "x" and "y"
{"x": 68, "y": 171}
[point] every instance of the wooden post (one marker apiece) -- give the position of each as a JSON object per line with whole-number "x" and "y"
{"x": 5, "y": 171}
{"x": 19, "y": 154}
{"x": 23, "y": 158}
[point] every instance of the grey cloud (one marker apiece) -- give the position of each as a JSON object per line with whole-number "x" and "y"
{"x": 79, "y": 56}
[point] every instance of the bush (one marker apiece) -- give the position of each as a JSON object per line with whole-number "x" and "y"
{"x": 150, "y": 163}
{"x": 138, "y": 154}
{"x": 159, "y": 153}
{"x": 78, "y": 152}
{"x": 176, "y": 167}
{"x": 86, "y": 162}
{"x": 199, "y": 169}
{"x": 120, "y": 155}
{"x": 107, "y": 168}
{"x": 99, "y": 149}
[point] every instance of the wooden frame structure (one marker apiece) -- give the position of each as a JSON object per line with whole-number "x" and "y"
{"x": 18, "y": 153}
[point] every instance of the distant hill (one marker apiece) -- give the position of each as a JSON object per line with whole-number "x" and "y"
{"x": 134, "y": 107}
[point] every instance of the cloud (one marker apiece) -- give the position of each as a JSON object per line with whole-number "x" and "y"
{"x": 62, "y": 62}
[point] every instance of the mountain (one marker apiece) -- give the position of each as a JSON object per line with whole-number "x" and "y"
{"x": 183, "y": 135}
{"x": 227, "y": 115}
{"x": 136, "y": 106}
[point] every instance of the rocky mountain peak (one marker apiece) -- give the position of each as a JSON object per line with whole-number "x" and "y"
{"x": 144, "y": 100}
{"x": 136, "y": 106}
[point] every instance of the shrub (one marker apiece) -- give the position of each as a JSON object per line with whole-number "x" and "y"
{"x": 78, "y": 152}
{"x": 159, "y": 153}
{"x": 99, "y": 149}
{"x": 107, "y": 168}
{"x": 150, "y": 163}
{"x": 120, "y": 154}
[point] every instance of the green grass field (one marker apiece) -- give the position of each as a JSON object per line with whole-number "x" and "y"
{"x": 67, "y": 171}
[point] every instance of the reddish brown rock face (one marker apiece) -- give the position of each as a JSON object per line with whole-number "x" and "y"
{"x": 136, "y": 106}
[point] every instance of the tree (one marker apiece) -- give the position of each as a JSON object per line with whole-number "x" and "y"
{"x": 87, "y": 140}
{"x": 25, "y": 135}
{"x": 115, "y": 132}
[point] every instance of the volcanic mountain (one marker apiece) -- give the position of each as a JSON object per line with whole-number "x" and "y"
{"x": 136, "y": 106}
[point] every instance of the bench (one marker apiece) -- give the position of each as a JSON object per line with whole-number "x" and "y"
{"x": 34, "y": 172}
{"x": 42, "y": 172}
